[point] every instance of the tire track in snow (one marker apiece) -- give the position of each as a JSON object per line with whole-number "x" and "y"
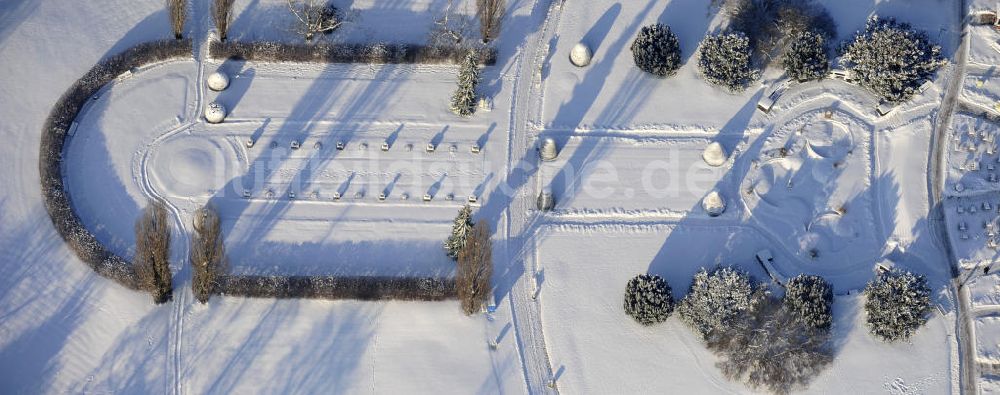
{"x": 525, "y": 311}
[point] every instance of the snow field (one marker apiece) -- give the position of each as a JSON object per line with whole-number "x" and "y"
{"x": 982, "y": 89}
{"x": 364, "y": 20}
{"x": 608, "y": 176}
{"x": 987, "y": 345}
{"x": 810, "y": 188}
{"x": 103, "y": 169}
{"x": 985, "y": 291}
{"x": 984, "y": 41}
{"x": 603, "y": 344}
{"x": 346, "y": 347}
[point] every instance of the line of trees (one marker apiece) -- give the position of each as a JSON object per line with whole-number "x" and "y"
{"x": 470, "y": 246}
{"x": 770, "y": 343}
{"x": 889, "y": 58}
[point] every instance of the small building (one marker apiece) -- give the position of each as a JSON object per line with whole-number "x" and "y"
{"x": 984, "y": 17}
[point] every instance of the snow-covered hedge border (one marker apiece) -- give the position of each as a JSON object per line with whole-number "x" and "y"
{"x": 107, "y": 264}
{"x": 337, "y": 287}
{"x": 382, "y": 53}
{"x": 57, "y": 126}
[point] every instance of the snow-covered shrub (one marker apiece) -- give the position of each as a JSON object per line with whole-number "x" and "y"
{"x": 657, "y": 51}
{"x": 337, "y": 287}
{"x": 270, "y": 51}
{"x": 208, "y": 253}
{"x": 490, "y": 14}
{"x": 177, "y": 10}
{"x": 767, "y": 346}
{"x": 463, "y": 101}
{"x": 53, "y": 138}
{"x": 648, "y": 299}
{"x": 725, "y": 59}
{"x": 473, "y": 277}
{"x": 459, "y": 232}
{"x": 806, "y": 57}
{"x": 152, "y": 252}
{"x": 222, "y": 15}
{"x": 809, "y": 299}
{"x": 715, "y": 299}
{"x": 891, "y": 59}
{"x": 897, "y": 304}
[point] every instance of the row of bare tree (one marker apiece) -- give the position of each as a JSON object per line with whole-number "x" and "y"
{"x": 152, "y": 252}
{"x": 473, "y": 278}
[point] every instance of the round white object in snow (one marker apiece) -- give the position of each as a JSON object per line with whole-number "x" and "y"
{"x": 580, "y": 55}
{"x": 218, "y": 81}
{"x": 548, "y": 152}
{"x": 714, "y": 154}
{"x": 713, "y": 204}
{"x": 215, "y": 112}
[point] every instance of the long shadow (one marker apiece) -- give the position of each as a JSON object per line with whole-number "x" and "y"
{"x": 677, "y": 261}
{"x": 570, "y": 113}
{"x": 315, "y": 104}
{"x": 13, "y": 13}
{"x": 41, "y": 306}
{"x": 402, "y": 258}
{"x": 230, "y": 98}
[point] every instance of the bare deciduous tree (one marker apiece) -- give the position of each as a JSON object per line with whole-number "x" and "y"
{"x": 769, "y": 348}
{"x": 178, "y": 15}
{"x": 208, "y": 253}
{"x": 152, "y": 252}
{"x": 222, "y": 14}
{"x": 490, "y": 14}
{"x": 451, "y": 28}
{"x": 314, "y": 16}
{"x": 473, "y": 279}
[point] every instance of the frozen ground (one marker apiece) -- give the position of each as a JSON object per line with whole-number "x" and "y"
{"x": 628, "y": 182}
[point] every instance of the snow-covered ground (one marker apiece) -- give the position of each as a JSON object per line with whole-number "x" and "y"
{"x": 821, "y": 181}
{"x": 67, "y": 330}
{"x": 984, "y": 41}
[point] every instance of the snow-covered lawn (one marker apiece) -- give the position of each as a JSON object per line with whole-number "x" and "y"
{"x": 985, "y": 291}
{"x": 608, "y": 176}
{"x": 811, "y": 189}
{"x": 988, "y": 339}
{"x": 982, "y": 89}
{"x": 598, "y": 349}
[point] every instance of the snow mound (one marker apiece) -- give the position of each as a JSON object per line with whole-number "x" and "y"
{"x": 810, "y": 189}
{"x": 580, "y": 56}
{"x": 548, "y": 151}
{"x": 189, "y": 167}
{"x": 218, "y": 81}
{"x": 714, "y": 154}
{"x": 714, "y": 204}
{"x": 215, "y": 112}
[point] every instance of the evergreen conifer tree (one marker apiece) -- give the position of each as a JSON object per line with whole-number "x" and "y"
{"x": 463, "y": 101}
{"x": 459, "y": 232}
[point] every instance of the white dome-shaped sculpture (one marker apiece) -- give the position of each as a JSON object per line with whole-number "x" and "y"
{"x": 218, "y": 81}
{"x": 714, "y": 204}
{"x": 215, "y": 112}
{"x": 714, "y": 154}
{"x": 548, "y": 152}
{"x": 580, "y": 55}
